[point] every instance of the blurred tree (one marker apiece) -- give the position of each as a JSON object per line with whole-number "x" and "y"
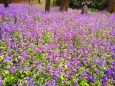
{"x": 64, "y": 5}
{"x": 96, "y": 4}
{"x": 75, "y": 3}
{"x": 85, "y": 6}
{"x": 53, "y": 2}
{"x": 39, "y": 1}
{"x": 5, "y": 3}
{"x": 29, "y": 1}
{"x": 112, "y": 6}
{"x": 57, "y": 2}
{"x": 16, "y": 1}
{"x": 47, "y": 5}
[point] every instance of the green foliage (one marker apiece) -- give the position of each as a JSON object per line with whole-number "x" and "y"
{"x": 42, "y": 78}
{"x": 9, "y": 79}
{"x": 47, "y": 37}
{"x": 83, "y": 82}
{"x": 99, "y": 4}
{"x": 1, "y": 58}
{"x": 31, "y": 51}
{"x": 37, "y": 18}
{"x": 3, "y": 45}
{"x": 95, "y": 4}
{"x": 38, "y": 57}
{"x": 75, "y": 4}
{"x": 62, "y": 76}
{"x": 93, "y": 10}
{"x": 59, "y": 81}
{"x": 57, "y": 2}
{"x": 16, "y": 34}
{"x": 36, "y": 40}
{"x": 77, "y": 42}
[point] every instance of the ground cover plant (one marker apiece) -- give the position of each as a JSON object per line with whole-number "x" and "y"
{"x": 56, "y": 48}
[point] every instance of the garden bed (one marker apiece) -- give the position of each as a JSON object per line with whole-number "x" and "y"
{"x": 56, "y": 48}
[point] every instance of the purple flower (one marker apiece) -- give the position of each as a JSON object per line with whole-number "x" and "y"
{"x": 54, "y": 82}
{"x": 75, "y": 38}
{"x": 113, "y": 63}
{"x": 0, "y": 33}
{"x": 84, "y": 75}
{"x": 76, "y": 85}
{"x": 112, "y": 33}
{"x": 25, "y": 56}
{"x": 48, "y": 83}
{"x": 97, "y": 71}
{"x": 91, "y": 79}
{"x": 9, "y": 58}
{"x": 53, "y": 56}
{"x": 57, "y": 73}
{"x": 0, "y": 36}
{"x": 104, "y": 81}
{"x": 1, "y": 81}
{"x": 113, "y": 50}
{"x": 94, "y": 41}
{"x": 12, "y": 69}
{"x": 113, "y": 56}
{"x": 31, "y": 81}
{"x": 109, "y": 73}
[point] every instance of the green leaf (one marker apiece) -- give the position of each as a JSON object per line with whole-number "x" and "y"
{"x": 97, "y": 83}
{"x": 59, "y": 82}
{"x": 65, "y": 67}
{"x": 7, "y": 72}
{"x": 36, "y": 40}
{"x": 62, "y": 76}
{"x": 77, "y": 42}
{"x": 16, "y": 34}
{"x": 1, "y": 58}
{"x": 38, "y": 57}
{"x": 73, "y": 78}
{"x": 31, "y": 51}
{"x": 88, "y": 37}
{"x": 47, "y": 37}
{"x": 83, "y": 82}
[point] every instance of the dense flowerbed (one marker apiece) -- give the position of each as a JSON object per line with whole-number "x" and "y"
{"x": 56, "y": 48}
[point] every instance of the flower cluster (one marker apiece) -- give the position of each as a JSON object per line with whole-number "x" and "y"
{"x": 56, "y": 48}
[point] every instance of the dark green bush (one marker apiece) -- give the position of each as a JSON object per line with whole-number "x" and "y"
{"x": 57, "y": 2}
{"x": 97, "y": 4}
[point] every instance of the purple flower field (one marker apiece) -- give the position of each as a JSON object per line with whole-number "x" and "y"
{"x": 56, "y": 48}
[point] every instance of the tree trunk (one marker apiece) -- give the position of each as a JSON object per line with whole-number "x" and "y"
{"x": 5, "y": 3}
{"x": 64, "y": 5}
{"x": 47, "y": 5}
{"x": 39, "y": 1}
{"x": 53, "y": 3}
{"x": 16, "y": 1}
{"x": 85, "y": 7}
{"x": 112, "y": 6}
{"x": 29, "y": 1}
